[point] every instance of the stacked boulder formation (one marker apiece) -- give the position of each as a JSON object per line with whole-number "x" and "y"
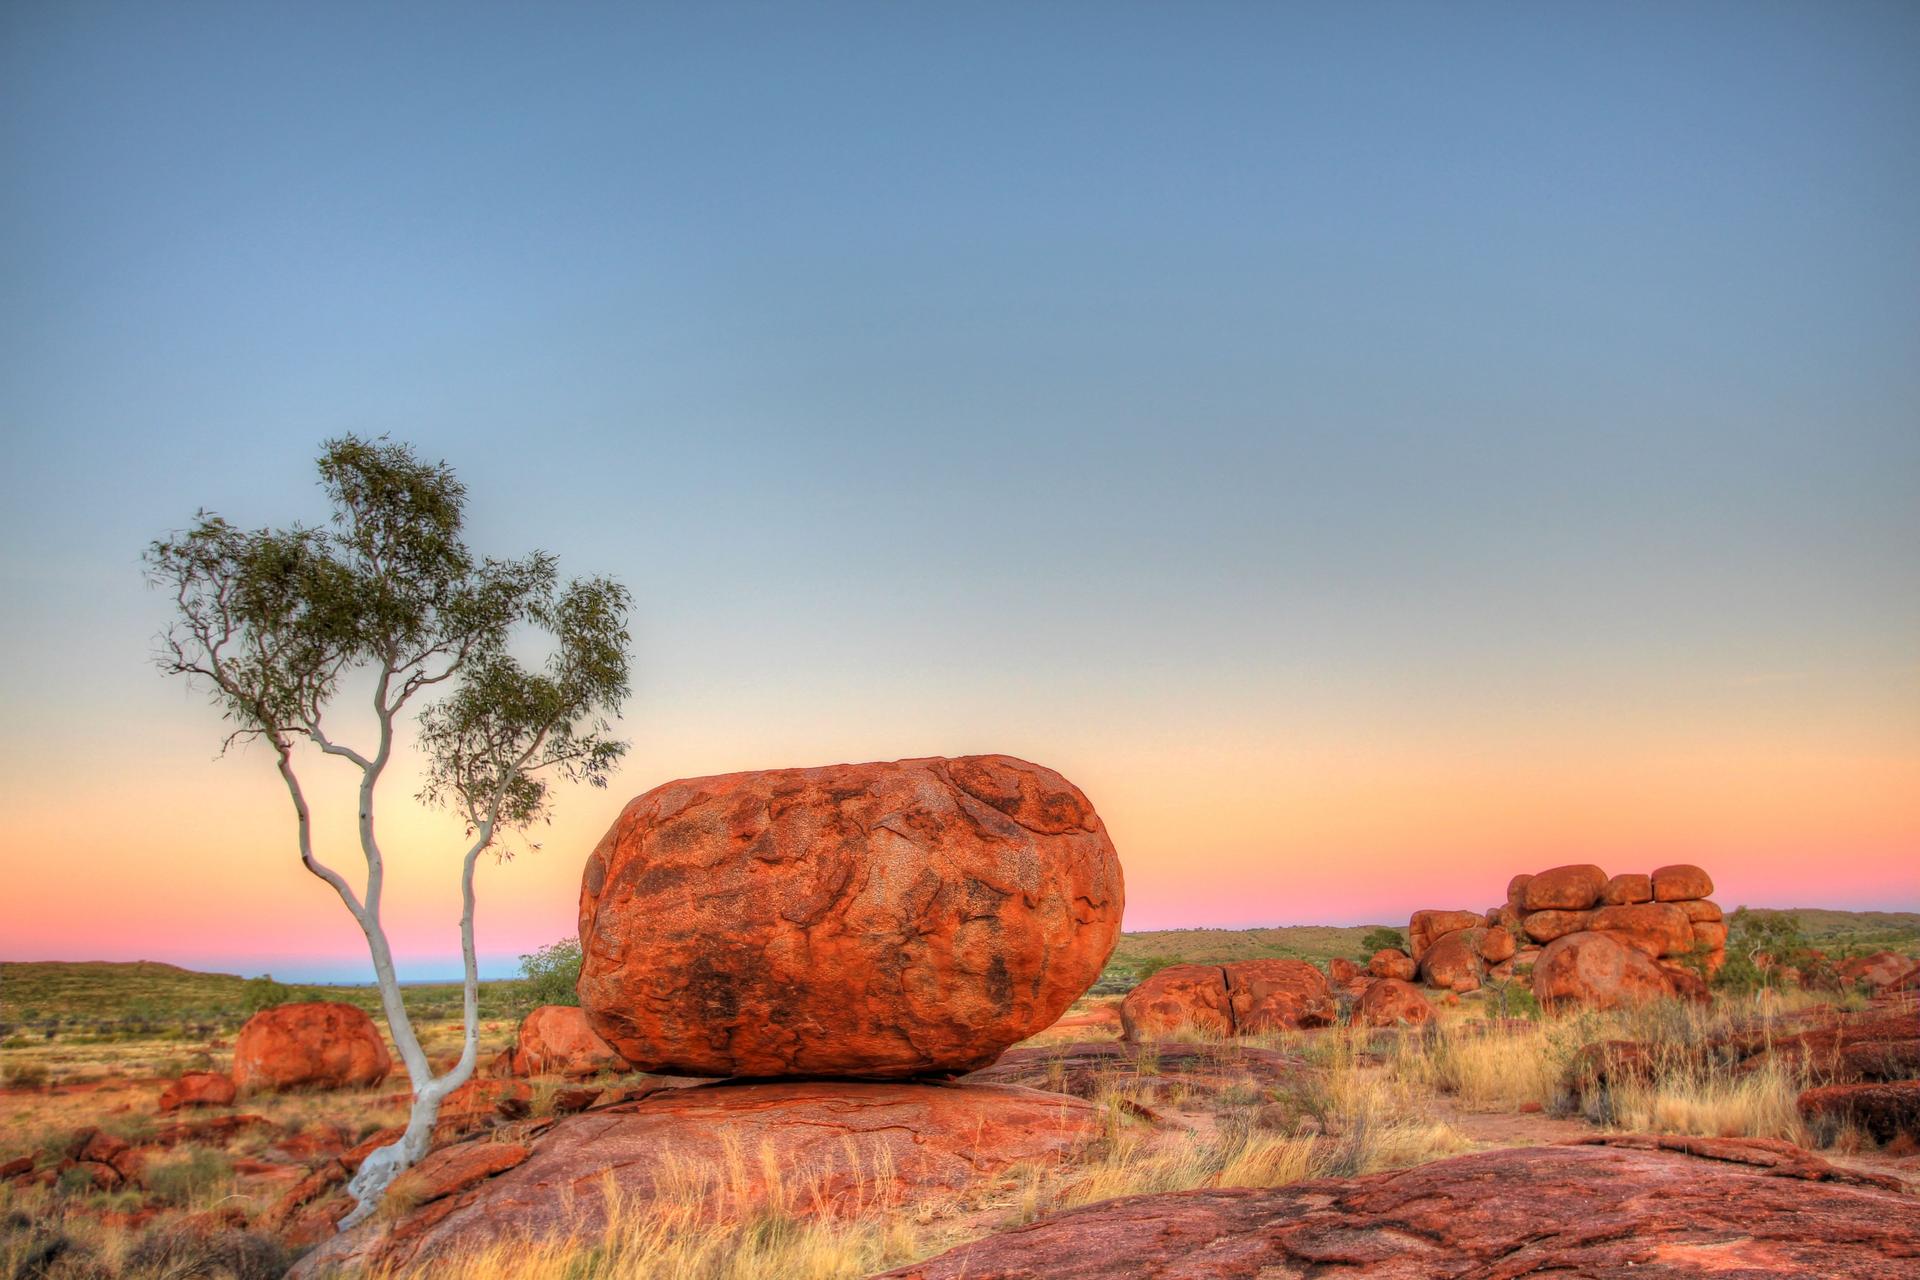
{"x": 1585, "y": 937}
{"x": 1246, "y": 997}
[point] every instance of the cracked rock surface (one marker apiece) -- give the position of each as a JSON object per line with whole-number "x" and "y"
{"x": 1612, "y": 1209}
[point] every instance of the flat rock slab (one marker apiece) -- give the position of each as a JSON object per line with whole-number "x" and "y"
{"x": 1600, "y": 1211}
{"x": 1085, "y": 1069}
{"x": 810, "y": 1147}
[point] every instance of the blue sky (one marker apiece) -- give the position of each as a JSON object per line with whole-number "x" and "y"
{"x": 1170, "y": 379}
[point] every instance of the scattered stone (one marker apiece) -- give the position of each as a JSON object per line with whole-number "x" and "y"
{"x": 198, "y": 1089}
{"x": 872, "y": 920}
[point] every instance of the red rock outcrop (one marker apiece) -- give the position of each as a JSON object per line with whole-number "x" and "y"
{"x": 1884, "y": 1111}
{"x": 1666, "y": 1208}
{"x": 321, "y": 1045}
{"x": 1681, "y": 881}
{"x": 1391, "y": 1002}
{"x": 1241, "y": 998}
{"x": 1545, "y": 926}
{"x": 197, "y": 1089}
{"x": 1880, "y": 971}
{"x": 1392, "y": 963}
{"x": 738, "y": 1149}
{"x": 874, "y": 920}
{"x": 1595, "y": 970}
{"x": 1573, "y": 888}
{"x": 556, "y": 1039}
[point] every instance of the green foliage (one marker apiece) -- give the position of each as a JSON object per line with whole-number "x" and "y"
{"x": 551, "y": 972}
{"x": 1147, "y": 966}
{"x": 264, "y": 993}
{"x": 272, "y": 621}
{"x": 1759, "y": 945}
{"x": 1381, "y": 939}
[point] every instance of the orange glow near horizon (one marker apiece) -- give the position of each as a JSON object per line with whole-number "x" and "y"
{"x": 194, "y": 862}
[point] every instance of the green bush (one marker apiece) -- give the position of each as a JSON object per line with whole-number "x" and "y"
{"x": 1150, "y": 965}
{"x": 1382, "y": 939}
{"x": 550, "y": 973}
{"x": 264, "y": 993}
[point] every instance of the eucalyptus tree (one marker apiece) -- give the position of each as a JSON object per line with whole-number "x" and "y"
{"x": 381, "y": 612}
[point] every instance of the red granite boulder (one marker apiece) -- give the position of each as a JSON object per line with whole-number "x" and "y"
{"x": 319, "y": 1045}
{"x": 1179, "y": 997}
{"x": 1391, "y": 1002}
{"x": 1571, "y": 888}
{"x": 872, "y": 920}
{"x": 197, "y": 1089}
{"x": 557, "y": 1039}
{"x": 1682, "y": 880}
{"x": 1391, "y": 962}
{"x": 1598, "y": 971}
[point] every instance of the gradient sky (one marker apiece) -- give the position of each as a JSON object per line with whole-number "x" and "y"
{"x": 1373, "y": 449}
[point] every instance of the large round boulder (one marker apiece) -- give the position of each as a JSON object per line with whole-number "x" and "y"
{"x": 556, "y": 1039}
{"x": 1453, "y": 961}
{"x": 873, "y": 920}
{"x": 1599, "y": 971}
{"x": 320, "y": 1045}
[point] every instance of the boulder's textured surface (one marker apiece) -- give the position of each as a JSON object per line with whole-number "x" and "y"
{"x": 1496, "y": 944}
{"x": 1885, "y": 1111}
{"x": 1341, "y": 971}
{"x": 1656, "y": 928}
{"x": 556, "y": 1039}
{"x": 1625, "y": 890}
{"x": 1682, "y": 880}
{"x": 1277, "y": 995}
{"x": 1242, "y": 998}
{"x": 1180, "y": 995}
{"x": 1453, "y": 962}
{"x": 321, "y": 1045}
{"x": 1573, "y": 888}
{"x": 1391, "y": 962}
{"x": 1596, "y": 970}
{"x": 875, "y": 920}
{"x": 737, "y": 1149}
{"x": 198, "y": 1089}
{"x": 1428, "y": 927}
{"x": 1700, "y": 910}
{"x": 1390, "y": 1002}
{"x": 1666, "y": 1209}
{"x": 1089, "y": 1069}
{"x": 1545, "y": 926}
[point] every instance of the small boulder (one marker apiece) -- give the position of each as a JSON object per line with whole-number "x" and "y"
{"x": 1391, "y": 962}
{"x": 1681, "y": 880}
{"x": 1341, "y": 971}
{"x": 198, "y": 1089}
{"x": 1392, "y": 1002}
{"x": 1700, "y": 910}
{"x": 1496, "y": 944}
{"x": 1571, "y": 888}
{"x": 1879, "y": 972}
{"x": 1545, "y": 926}
{"x": 319, "y": 1045}
{"x": 1453, "y": 962}
{"x": 1428, "y": 927}
{"x": 1625, "y": 890}
{"x": 1598, "y": 971}
{"x": 556, "y": 1039}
